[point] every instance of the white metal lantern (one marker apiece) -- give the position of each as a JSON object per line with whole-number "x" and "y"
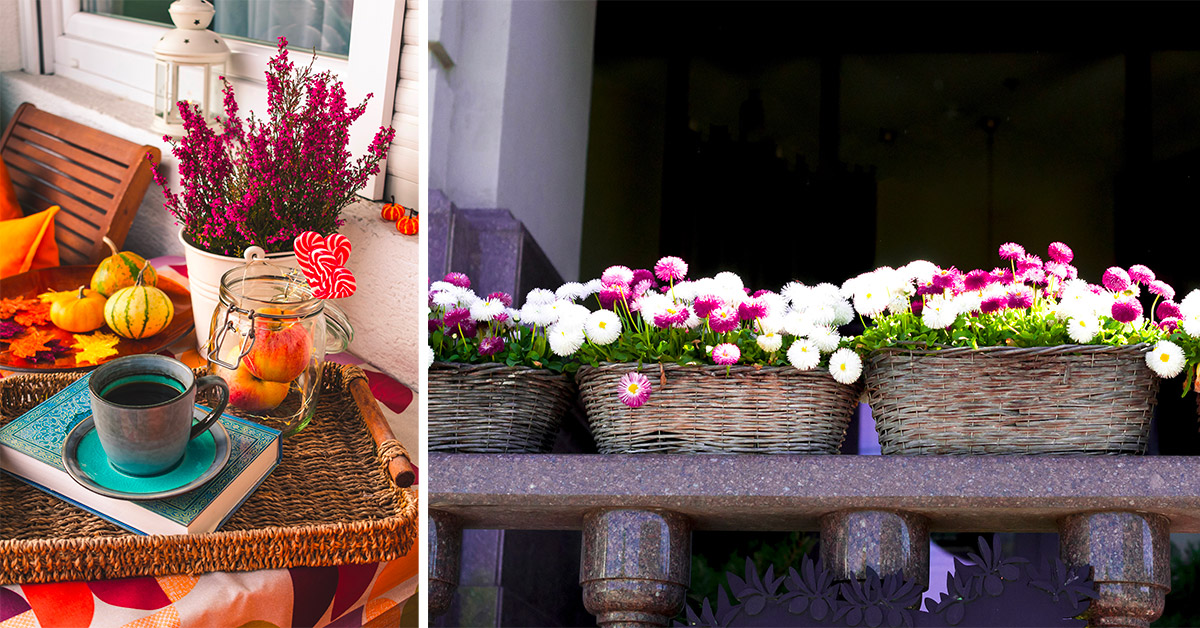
{"x": 189, "y": 61}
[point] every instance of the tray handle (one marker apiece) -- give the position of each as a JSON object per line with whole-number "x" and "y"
{"x": 391, "y": 451}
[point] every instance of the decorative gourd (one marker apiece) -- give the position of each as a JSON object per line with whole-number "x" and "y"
{"x": 119, "y": 270}
{"x": 392, "y": 211}
{"x": 78, "y": 312}
{"x": 139, "y": 311}
{"x": 410, "y": 224}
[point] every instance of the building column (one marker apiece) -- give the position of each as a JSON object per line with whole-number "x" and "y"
{"x": 445, "y": 553}
{"x": 852, "y": 540}
{"x": 636, "y": 566}
{"x": 1130, "y": 555}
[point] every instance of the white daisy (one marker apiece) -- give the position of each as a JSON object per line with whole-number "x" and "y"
{"x": 538, "y": 314}
{"x": 570, "y": 291}
{"x": 540, "y": 296}
{"x": 804, "y": 355}
{"x": 822, "y": 314}
{"x": 920, "y": 271}
{"x": 1166, "y": 359}
{"x": 1190, "y": 305}
{"x": 826, "y": 339}
{"x": 730, "y": 281}
{"x": 797, "y": 294}
{"x": 845, "y": 366}
{"x": 769, "y": 341}
{"x": 939, "y": 312}
{"x": 445, "y": 299}
{"x": 843, "y": 312}
{"x": 565, "y": 340}
{"x": 603, "y": 327}
{"x": 797, "y": 324}
{"x": 1083, "y": 329}
{"x": 428, "y": 356}
{"x": 1190, "y": 323}
{"x": 441, "y": 286}
{"x": 486, "y": 310}
{"x": 871, "y": 298}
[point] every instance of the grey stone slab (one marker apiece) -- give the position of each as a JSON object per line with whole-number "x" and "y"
{"x": 963, "y": 494}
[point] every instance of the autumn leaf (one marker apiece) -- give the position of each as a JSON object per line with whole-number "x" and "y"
{"x": 36, "y": 314}
{"x": 29, "y": 345}
{"x": 94, "y": 347}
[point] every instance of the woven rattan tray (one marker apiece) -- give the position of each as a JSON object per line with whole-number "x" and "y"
{"x": 718, "y": 410}
{"x": 1071, "y": 399}
{"x": 331, "y": 501}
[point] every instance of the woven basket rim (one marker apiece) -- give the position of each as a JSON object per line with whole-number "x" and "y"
{"x": 497, "y": 367}
{"x": 703, "y": 368}
{"x": 921, "y": 349}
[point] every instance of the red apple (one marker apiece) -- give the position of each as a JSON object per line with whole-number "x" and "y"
{"x": 282, "y": 348}
{"x": 251, "y": 394}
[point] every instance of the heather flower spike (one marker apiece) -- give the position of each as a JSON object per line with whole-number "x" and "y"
{"x": 265, "y": 180}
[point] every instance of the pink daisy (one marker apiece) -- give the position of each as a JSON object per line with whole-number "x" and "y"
{"x": 1168, "y": 309}
{"x": 634, "y": 390}
{"x": 502, "y": 297}
{"x": 726, "y": 354}
{"x": 458, "y": 279}
{"x": 1141, "y": 274}
{"x": 1061, "y": 253}
{"x": 1126, "y": 310}
{"x": 1011, "y": 250}
{"x": 722, "y": 320}
{"x": 1116, "y": 279}
{"x": 752, "y": 309}
{"x": 491, "y": 345}
{"x": 978, "y": 280}
{"x": 704, "y": 305}
{"x": 1162, "y": 289}
{"x": 617, "y": 275}
{"x": 670, "y": 268}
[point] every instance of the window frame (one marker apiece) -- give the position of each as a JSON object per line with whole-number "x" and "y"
{"x": 116, "y": 55}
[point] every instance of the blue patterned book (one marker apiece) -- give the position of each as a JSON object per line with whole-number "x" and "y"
{"x": 31, "y": 448}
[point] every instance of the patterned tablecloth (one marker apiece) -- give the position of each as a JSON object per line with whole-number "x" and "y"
{"x": 347, "y": 595}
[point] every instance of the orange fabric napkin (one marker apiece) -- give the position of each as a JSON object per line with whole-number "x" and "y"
{"x": 28, "y": 243}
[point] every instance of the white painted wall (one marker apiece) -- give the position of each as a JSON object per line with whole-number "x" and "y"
{"x": 509, "y": 120}
{"x": 10, "y": 36}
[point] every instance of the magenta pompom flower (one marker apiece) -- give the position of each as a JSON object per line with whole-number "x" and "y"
{"x": 611, "y": 294}
{"x": 641, "y": 275}
{"x": 752, "y": 310}
{"x": 670, "y": 268}
{"x": 1161, "y": 288}
{"x": 993, "y": 304}
{"x": 948, "y": 279}
{"x": 634, "y": 390}
{"x": 1168, "y": 309}
{"x": 1116, "y": 279}
{"x": 1061, "y": 253}
{"x": 978, "y": 280}
{"x": 673, "y": 316}
{"x": 704, "y": 305}
{"x": 726, "y": 354}
{"x": 456, "y": 317}
{"x": 1141, "y": 274}
{"x": 723, "y": 320}
{"x": 458, "y": 279}
{"x": 1020, "y": 300}
{"x": 1011, "y": 251}
{"x": 917, "y": 306}
{"x": 1169, "y": 325}
{"x": 491, "y": 345}
{"x": 502, "y": 297}
{"x": 1126, "y": 310}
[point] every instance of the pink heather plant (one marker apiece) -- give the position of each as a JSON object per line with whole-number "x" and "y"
{"x": 265, "y": 181}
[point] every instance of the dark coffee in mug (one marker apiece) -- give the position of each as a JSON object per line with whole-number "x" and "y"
{"x": 142, "y": 390}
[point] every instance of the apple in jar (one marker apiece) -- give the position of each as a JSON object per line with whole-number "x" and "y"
{"x": 282, "y": 347}
{"x": 251, "y": 394}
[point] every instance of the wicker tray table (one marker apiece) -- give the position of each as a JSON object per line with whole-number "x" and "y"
{"x": 333, "y": 500}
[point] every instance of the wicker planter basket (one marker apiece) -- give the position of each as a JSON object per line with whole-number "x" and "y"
{"x": 495, "y": 408}
{"x": 768, "y": 410}
{"x": 1073, "y": 399}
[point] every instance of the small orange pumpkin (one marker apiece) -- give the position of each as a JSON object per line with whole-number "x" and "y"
{"x": 410, "y": 224}
{"x": 392, "y": 211}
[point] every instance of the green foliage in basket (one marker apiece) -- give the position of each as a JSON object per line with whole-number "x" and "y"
{"x": 1028, "y": 303}
{"x": 1186, "y": 335}
{"x": 468, "y": 329}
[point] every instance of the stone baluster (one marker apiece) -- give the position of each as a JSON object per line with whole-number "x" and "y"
{"x": 1130, "y": 558}
{"x": 445, "y": 554}
{"x": 636, "y": 566}
{"x": 886, "y": 541}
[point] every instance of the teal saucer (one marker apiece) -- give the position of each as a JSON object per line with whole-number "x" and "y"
{"x": 88, "y": 465}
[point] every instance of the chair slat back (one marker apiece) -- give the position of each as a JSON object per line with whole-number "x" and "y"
{"x": 97, "y": 179}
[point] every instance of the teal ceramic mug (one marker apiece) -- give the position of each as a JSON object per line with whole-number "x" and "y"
{"x": 142, "y": 407}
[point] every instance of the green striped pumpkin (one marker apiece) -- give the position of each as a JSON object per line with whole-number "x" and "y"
{"x": 120, "y": 270}
{"x": 138, "y": 311}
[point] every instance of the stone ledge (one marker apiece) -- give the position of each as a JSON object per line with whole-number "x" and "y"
{"x": 962, "y": 494}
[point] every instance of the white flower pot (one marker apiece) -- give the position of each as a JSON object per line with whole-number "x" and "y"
{"x": 204, "y": 281}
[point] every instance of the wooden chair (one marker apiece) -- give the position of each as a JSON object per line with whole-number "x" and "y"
{"x": 98, "y": 180}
